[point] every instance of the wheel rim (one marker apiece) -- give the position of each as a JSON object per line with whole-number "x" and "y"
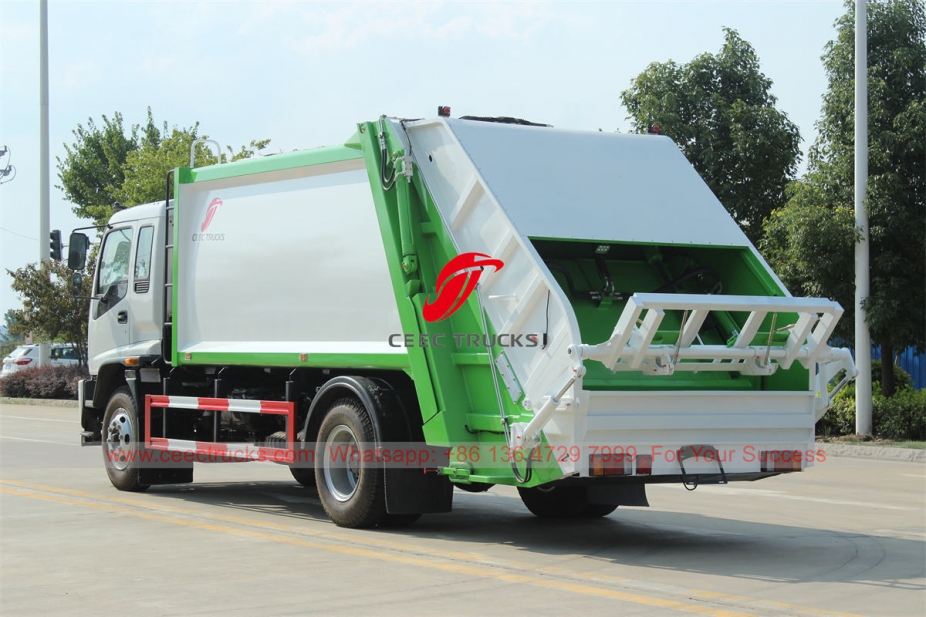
{"x": 119, "y": 439}
{"x": 341, "y": 463}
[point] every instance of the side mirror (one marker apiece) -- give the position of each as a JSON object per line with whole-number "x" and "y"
{"x": 77, "y": 251}
{"x": 77, "y": 280}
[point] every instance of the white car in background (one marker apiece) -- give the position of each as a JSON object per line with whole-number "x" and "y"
{"x": 27, "y": 356}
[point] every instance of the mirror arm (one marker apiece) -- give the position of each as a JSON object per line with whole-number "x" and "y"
{"x": 105, "y": 226}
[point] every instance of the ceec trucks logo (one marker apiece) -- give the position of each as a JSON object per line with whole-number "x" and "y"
{"x": 210, "y": 213}
{"x": 214, "y": 206}
{"x": 456, "y": 282}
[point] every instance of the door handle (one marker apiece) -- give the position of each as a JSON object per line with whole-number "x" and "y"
{"x": 122, "y": 317}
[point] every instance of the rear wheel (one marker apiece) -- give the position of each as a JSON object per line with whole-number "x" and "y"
{"x": 303, "y": 475}
{"x": 122, "y": 442}
{"x": 555, "y": 502}
{"x": 350, "y": 487}
{"x": 475, "y": 487}
{"x": 394, "y": 521}
{"x": 598, "y": 510}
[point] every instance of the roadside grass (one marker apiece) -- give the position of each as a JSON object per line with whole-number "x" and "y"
{"x": 861, "y": 440}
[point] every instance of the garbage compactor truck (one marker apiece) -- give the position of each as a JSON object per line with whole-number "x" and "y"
{"x": 451, "y": 303}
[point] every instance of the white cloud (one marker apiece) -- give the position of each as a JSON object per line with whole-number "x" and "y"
{"x": 79, "y": 74}
{"x": 314, "y": 27}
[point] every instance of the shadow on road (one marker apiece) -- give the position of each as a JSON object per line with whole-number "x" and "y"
{"x": 636, "y": 537}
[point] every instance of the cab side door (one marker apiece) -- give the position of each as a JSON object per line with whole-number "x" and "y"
{"x": 109, "y": 310}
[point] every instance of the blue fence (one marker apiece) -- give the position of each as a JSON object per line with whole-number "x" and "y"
{"x": 910, "y": 361}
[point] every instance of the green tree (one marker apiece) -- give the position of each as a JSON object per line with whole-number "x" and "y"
{"x": 146, "y": 168}
{"x": 50, "y": 311}
{"x": 8, "y": 340}
{"x": 9, "y": 320}
{"x": 93, "y": 169}
{"x": 109, "y": 164}
{"x": 105, "y": 164}
{"x": 811, "y": 241}
{"x": 721, "y": 113}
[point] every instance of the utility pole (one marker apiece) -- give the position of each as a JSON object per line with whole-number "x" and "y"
{"x": 44, "y": 224}
{"x": 862, "y": 283}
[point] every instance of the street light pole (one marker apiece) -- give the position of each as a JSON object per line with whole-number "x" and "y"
{"x": 862, "y": 284}
{"x": 44, "y": 225}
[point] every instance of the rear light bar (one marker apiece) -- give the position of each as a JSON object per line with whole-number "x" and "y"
{"x": 22, "y": 361}
{"x": 619, "y": 464}
{"x": 609, "y": 464}
{"x": 781, "y": 460}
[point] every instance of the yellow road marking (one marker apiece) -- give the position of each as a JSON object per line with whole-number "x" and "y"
{"x": 455, "y": 568}
{"x": 398, "y": 546}
{"x": 109, "y": 504}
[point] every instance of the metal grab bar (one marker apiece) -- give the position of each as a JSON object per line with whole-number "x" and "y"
{"x": 631, "y": 348}
{"x": 218, "y": 150}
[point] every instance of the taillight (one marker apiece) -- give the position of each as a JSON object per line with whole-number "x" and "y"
{"x": 644, "y": 464}
{"x": 781, "y": 460}
{"x": 22, "y": 361}
{"x": 609, "y": 464}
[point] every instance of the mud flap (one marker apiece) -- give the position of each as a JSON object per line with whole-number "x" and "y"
{"x": 91, "y": 419}
{"x": 417, "y": 491}
{"x": 618, "y": 495}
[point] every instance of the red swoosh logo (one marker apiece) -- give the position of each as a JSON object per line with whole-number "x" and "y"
{"x": 456, "y": 282}
{"x": 210, "y": 212}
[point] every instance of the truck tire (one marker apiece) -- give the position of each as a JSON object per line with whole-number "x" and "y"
{"x": 395, "y": 521}
{"x": 555, "y": 502}
{"x": 351, "y": 490}
{"x": 122, "y": 442}
{"x": 303, "y": 475}
{"x": 597, "y": 510}
{"x": 476, "y": 487}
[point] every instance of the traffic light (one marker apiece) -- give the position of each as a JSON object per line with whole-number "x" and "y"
{"x": 55, "y": 244}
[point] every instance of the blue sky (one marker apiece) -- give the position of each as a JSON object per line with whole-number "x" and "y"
{"x": 304, "y": 73}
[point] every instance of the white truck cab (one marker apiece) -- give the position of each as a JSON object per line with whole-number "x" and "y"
{"x": 127, "y": 306}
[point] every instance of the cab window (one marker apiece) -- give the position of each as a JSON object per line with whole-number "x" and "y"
{"x": 113, "y": 273}
{"x": 143, "y": 259}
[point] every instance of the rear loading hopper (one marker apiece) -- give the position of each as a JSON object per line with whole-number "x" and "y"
{"x": 661, "y": 332}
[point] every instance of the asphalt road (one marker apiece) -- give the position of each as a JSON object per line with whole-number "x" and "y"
{"x": 846, "y": 537}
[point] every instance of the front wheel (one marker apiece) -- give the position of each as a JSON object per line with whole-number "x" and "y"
{"x": 351, "y": 485}
{"x": 122, "y": 442}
